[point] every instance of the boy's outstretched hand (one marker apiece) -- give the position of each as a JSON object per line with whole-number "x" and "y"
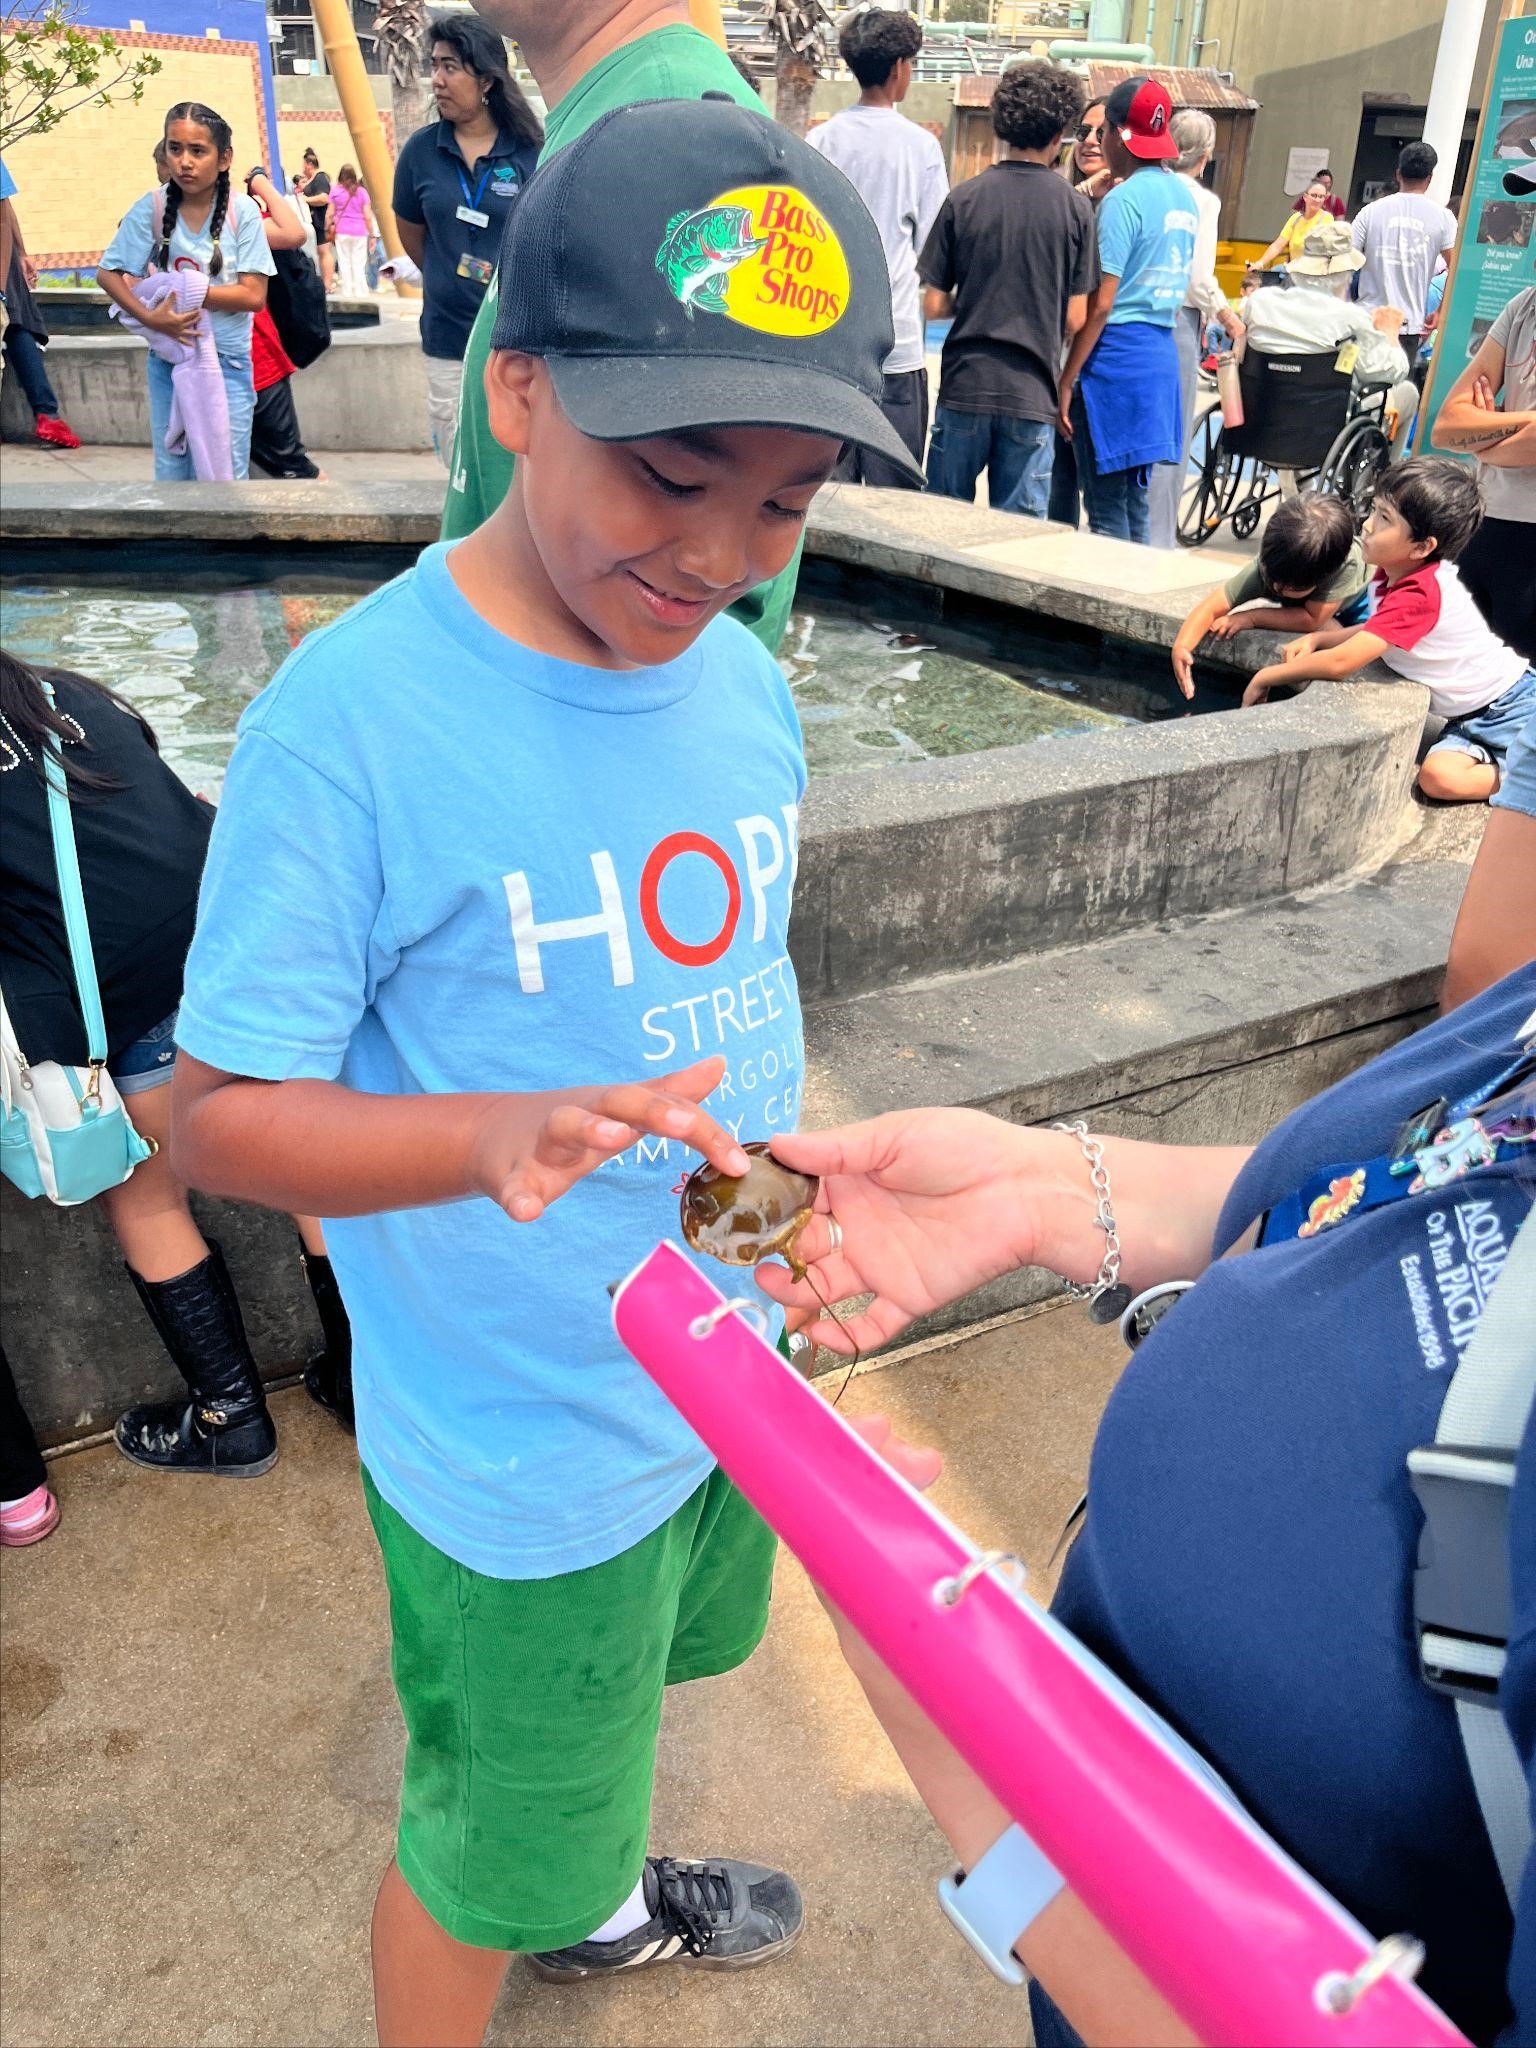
{"x": 524, "y": 1160}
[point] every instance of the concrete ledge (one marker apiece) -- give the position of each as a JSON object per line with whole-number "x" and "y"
{"x": 369, "y": 390}
{"x": 947, "y": 865}
{"x": 231, "y": 515}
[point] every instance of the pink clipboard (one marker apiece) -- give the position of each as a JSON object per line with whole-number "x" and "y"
{"x": 1243, "y": 1945}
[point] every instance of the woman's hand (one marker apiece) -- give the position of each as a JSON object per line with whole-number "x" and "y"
{"x": 1183, "y": 658}
{"x": 525, "y": 1165}
{"x": 1229, "y": 625}
{"x": 931, "y": 1203}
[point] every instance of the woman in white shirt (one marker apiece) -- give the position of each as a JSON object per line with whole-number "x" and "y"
{"x": 1195, "y": 133}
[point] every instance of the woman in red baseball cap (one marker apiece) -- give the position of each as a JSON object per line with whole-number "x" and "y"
{"x": 1120, "y": 404}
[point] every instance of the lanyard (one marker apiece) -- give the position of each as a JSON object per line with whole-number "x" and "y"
{"x": 1443, "y": 1144}
{"x": 485, "y": 178}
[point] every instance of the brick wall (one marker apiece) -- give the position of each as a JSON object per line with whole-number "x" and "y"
{"x": 75, "y": 184}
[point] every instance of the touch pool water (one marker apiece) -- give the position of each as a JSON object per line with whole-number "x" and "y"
{"x": 878, "y": 675}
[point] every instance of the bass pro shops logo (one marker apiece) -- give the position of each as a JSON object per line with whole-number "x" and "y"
{"x": 761, "y": 255}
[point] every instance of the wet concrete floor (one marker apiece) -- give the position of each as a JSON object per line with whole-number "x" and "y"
{"x": 199, "y": 1750}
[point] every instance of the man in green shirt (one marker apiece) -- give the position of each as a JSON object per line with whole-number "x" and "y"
{"x": 590, "y": 56}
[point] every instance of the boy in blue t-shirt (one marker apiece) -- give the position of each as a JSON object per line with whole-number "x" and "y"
{"x": 523, "y": 820}
{"x": 1121, "y": 405}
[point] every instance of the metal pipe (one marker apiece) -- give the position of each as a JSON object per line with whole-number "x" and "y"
{"x": 1174, "y": 30}
{"x": 1150, "y": 31}
{"x": 1066, "y": 52}
{"x": 1108, "y": 20}
{"x": 344, "y": 61}
{"x": 1196, "y": 31}
{"x": 1445, "y": 116}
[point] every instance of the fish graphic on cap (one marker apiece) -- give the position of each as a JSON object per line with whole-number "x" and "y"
{"x": 700, "y": 250}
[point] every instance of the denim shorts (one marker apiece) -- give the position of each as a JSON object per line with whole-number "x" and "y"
{"x": 149, "y": 1062}
{"x": 1517, "y": 772}
{"x": 1488, "y": 735}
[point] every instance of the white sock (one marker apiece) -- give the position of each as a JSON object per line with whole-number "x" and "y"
{"x": 632, "y": 1914}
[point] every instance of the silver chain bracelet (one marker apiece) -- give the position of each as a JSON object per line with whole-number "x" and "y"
{"x": 1105, "y": 1296}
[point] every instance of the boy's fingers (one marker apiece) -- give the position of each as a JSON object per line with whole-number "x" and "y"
{"x": 665, "y": 1115}
{"x": 697, "y": 1081}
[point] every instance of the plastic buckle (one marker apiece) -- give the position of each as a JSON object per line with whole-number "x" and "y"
{"x": 1461, "y": 1589}
{"x": 1004, "y": 1894}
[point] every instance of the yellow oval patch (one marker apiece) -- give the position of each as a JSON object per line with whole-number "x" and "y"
{"x": 797, "y": 282}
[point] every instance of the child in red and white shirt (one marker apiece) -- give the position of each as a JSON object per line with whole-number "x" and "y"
{"x": 1427, "y": 628}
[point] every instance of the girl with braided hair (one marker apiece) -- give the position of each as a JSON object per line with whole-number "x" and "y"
{"x": 195, "y": 222}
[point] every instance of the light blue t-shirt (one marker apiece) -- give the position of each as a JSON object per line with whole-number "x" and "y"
{"x": 443, "y": 862}
{"x": 7, "y": 188}
{"x": 243, "y": 240}
{"x": 1147, "y": 229}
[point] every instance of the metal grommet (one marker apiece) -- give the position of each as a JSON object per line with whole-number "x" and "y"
{"x": 950, "y": 1592}
{"x": 1398, "y": 1955}
{"x": 739, "y": 1304}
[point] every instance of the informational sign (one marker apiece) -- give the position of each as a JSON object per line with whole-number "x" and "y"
{"x": 1301, "y": 167}
{"x": 1495, "y": 253}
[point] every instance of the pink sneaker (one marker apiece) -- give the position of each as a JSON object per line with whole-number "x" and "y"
{"x": 28, "y": 1520}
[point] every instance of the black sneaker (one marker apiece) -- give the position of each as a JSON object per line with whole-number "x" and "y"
{"x": 717, "y": 1916}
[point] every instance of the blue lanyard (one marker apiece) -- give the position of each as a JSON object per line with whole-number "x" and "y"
{"x": 1455, "y": 1143}
{"x": 485, "y": 179}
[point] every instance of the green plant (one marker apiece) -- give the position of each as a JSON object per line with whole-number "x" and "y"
{"x": 50, "y": 65}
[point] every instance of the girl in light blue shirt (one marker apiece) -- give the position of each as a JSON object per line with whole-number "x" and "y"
{"x": 195, "y": 223}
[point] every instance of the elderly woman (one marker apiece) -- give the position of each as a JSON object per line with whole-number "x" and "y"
{"x": 1195, "y": 133}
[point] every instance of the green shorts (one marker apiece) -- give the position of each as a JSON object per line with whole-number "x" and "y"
{"x": 532, "y": 1706}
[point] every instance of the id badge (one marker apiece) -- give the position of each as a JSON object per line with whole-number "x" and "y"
{"x": 472, "y": 216}
{"x": 477, "y": 268}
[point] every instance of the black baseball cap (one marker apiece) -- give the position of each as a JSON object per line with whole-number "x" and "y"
{"x": 689, "y": 263}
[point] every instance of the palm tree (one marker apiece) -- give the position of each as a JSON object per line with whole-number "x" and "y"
{"x": 400, "y": 27}
{"x": 796, "y": 27}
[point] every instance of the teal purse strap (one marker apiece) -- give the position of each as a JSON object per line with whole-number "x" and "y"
{"x": 76, "y": 925}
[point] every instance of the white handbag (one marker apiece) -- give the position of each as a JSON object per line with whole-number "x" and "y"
{"x": 64, "y": 1132}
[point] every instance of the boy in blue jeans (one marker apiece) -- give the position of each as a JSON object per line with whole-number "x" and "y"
{"x": 524, "y": 819}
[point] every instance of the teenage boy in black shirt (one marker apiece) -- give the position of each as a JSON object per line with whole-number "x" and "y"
{"x": 1013, "y": 255}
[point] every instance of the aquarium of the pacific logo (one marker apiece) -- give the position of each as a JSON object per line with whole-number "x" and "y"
{"x": 761, "y": 255}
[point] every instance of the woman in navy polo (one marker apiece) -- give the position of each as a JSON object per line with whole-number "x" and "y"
{"x": 454, "y": 184}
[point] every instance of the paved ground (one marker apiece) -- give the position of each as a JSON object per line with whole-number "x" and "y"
{"x": 199, "y": 1752}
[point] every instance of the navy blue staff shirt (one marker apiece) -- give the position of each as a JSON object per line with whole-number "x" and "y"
{"x": 1247, "y": 1560}
{"x": 432, "y": 182}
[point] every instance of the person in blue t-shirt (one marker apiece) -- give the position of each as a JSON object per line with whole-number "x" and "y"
{"x": 1247, "y": 1560}
{"x": 522, "y": 820}
{"x": 195, "y": 222}
{"x": 1120, "y": 401}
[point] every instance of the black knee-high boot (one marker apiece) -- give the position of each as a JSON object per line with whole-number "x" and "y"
{"x": 225, "y": 1428}
{"x": 328, "y": 1375}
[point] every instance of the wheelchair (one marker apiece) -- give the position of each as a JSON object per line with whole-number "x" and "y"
{"x": 1305, "y": 428}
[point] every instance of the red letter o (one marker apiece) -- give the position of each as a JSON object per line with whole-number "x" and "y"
{"x": 662, "y": 857}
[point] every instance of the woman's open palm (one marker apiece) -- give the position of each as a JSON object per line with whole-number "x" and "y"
{"x": 931, "y": 1204}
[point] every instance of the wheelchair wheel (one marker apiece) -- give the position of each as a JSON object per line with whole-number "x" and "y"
{"x": 1245, "y": 520}
{"x": 1353, "y": 465}
{"x": 1207, "y": 496}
